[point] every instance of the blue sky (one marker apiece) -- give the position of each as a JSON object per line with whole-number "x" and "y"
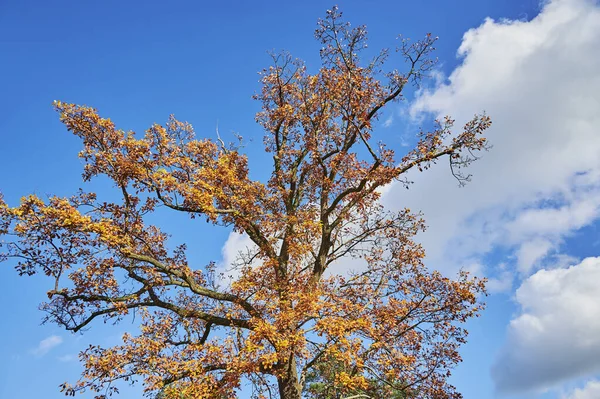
{"x": 528, "y": 221}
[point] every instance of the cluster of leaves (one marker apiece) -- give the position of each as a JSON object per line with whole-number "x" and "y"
{"x": 392, "y": 320}
{"x": 321, "y": 383}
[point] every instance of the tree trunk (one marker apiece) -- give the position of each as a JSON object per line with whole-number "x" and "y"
{"x": 289, "y": 387}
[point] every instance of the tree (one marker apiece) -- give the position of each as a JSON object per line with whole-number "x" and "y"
{"x": 392, "y": 320}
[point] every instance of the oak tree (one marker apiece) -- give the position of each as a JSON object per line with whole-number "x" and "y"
{"x": 391, "y": 320}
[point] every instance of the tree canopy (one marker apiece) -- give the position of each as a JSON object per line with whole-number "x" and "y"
{"x": 391, "y": 325}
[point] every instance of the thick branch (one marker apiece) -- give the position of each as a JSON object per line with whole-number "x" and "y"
{"x": 210, "y": 318}
{"x": 194, "y": 286}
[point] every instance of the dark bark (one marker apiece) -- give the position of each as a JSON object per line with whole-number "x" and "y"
{"x": 289, "y": 387}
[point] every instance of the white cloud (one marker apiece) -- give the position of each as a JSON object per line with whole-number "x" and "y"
{"x": 237, "y": 247}
{"x": 67, "y": 358}
{"x": 46, "y": 345}
{"x": 560, "y": 261}
{"x": 530, "y": 253}
{"x": 591, "y": 390}
{"x": 389, "y": 121}
{"x": 553, "y": 221}
{"x": 557, "y": 334}
{"x": 503, "y": 282}
{"x": 540, "y": 182}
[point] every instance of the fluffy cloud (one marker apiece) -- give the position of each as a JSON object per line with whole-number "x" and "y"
{"x": 46, "y": 345}
{"x": 531, "y": 252}
{"x": 590, "y": 391}
{"x": 503, "y": 282}
{"x": 67, "y": 358}
{"x": 538, "y": 81}
{"x": 237, "y": 249}
{"x": 557, "y": 334}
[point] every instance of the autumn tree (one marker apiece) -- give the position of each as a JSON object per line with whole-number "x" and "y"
{"x": 390, "y": 319}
